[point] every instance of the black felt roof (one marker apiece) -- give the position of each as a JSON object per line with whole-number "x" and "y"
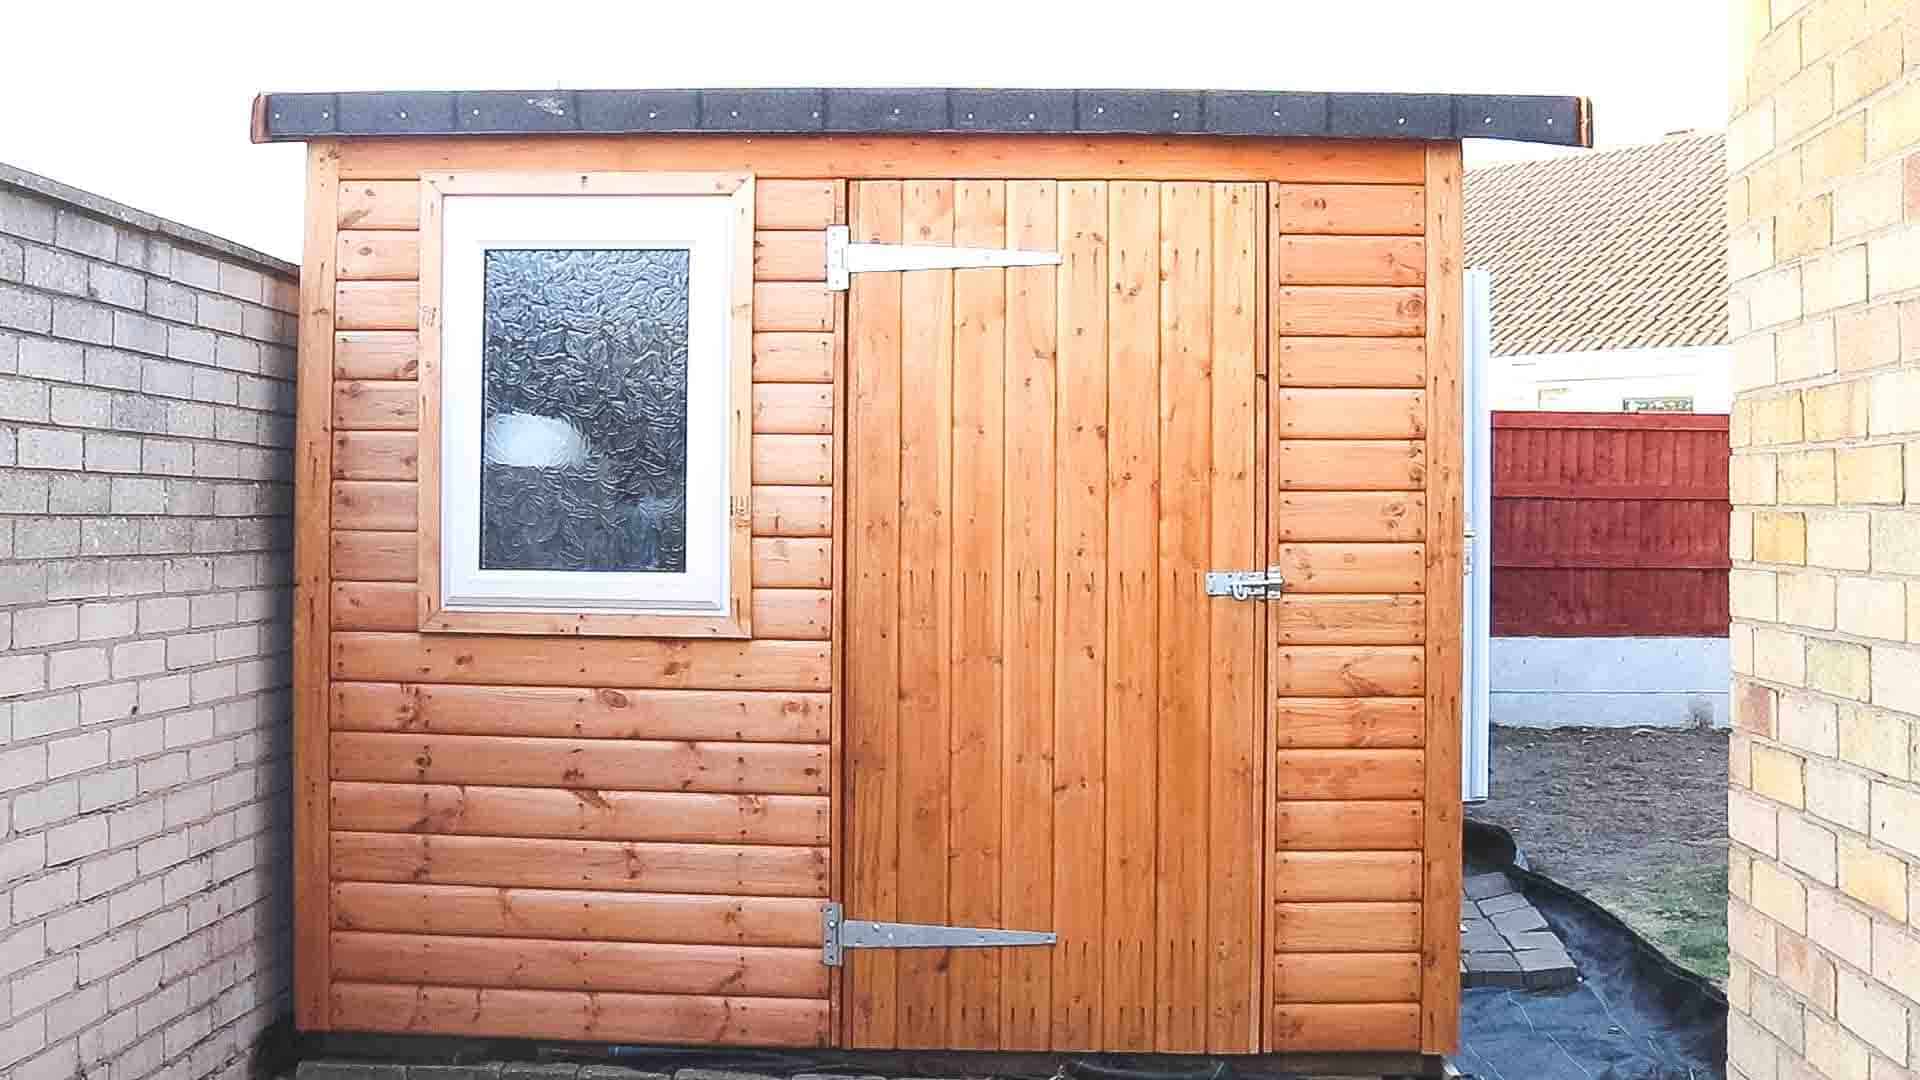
{"x": 1564, "y": 121}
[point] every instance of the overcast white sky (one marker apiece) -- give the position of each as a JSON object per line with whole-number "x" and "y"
{"x": 148, "y": 103}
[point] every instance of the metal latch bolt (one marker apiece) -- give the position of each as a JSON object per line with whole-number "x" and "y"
{"x": 1246, "y": 584}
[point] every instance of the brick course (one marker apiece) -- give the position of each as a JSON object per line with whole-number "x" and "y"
{"x": 1824, "y": 194}
{"x": 145, "y": 424}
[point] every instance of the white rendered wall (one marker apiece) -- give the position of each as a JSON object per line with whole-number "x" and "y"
{"x": 1600, "y": 381}
{"x": 1609, "y": 681}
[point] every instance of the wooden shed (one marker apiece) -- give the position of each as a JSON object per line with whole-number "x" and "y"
{"x": 740, "y": 529}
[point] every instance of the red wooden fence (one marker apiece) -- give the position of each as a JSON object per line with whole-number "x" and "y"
{"x": 1609, "y": 524}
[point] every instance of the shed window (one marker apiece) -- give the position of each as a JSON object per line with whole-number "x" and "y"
{"x": 592, "y": 372}
{"x": 583, "y": 411}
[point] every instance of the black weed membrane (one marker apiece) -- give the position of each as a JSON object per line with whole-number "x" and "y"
{"x": 1634, "y": 1014}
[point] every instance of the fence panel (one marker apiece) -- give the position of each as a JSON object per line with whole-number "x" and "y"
{"x": 1609, "y": 524}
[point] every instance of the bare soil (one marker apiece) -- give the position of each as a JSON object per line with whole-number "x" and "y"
{"x": 1635, "y": 818}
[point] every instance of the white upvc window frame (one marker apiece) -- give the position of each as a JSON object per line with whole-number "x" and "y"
{"x": 466, "y": 215}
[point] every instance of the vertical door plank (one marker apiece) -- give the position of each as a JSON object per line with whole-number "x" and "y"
{"x": 1440, "y": 907}
{"x": 979, "y": 391}
{"x": 1080, "y": 569}
{"x": 873, "y": 698}
{"x": 1026, "y": 820}
{"x": 1185, "y": 521}
{"x": 1234, "y": 725}
{"x": 926, "y": 627}
{"x": 1133, "y": 417}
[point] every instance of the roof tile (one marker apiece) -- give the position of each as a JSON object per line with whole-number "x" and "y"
{"x": 1615, "y": 250}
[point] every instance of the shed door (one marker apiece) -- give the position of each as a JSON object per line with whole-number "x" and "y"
{"x": 1050, "y": 726}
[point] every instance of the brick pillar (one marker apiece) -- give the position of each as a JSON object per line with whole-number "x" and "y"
{"x": 1824, "y": 261}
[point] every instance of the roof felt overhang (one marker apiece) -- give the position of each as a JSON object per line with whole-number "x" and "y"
{"x": 1562, "y": 121}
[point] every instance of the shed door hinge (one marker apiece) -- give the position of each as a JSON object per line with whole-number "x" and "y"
{"x": 845, "y": 258}
{"x": 1245, "y": 584}
{"x": 841, "y": 933}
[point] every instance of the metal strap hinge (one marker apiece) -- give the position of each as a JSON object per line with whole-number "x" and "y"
{"x": 841, "y": 933}
{"x": 1245, "y": 584}
{"x": 845, "y": 258}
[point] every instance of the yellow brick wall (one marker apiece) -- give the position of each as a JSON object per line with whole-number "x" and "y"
{"x": 1823, "y": 199}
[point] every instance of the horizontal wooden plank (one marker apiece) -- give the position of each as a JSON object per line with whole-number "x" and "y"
{"x": 1348, "y": 670}
{"x": 375, "y": 556}
{"x": 1350, "y": 515}
{"x": 1346, "y": 977}
{"x": 586, "y": 764}
{"x": 597, "y": 1017}
{"x": 793, "y": 459}
{"x": 909, "y": 156}
{"x": 789, "y": 256}
{"x": 1583, "y": 491}
{"x": 1341, "y": 1027}
{"x": 793, "y": 306}
{"x": 1308, "y": 876}
{"x": 1346, "y": 927}
{"x": 795, "y": 204}
{"x": 1609, "y": 603}
{"x": 792, "y": 563}
{"x": 379, "y": 204}
{"x": 376, "y": 455}
{"x": 506, "y": 862}
{"x": 1343, "y": 465}
{"x": 576, "y": 915}
{"x": 1322, "y": 413}
{"x": 1350, "y": 310}
{"x": 791, "y": 357}
{"x": 597, "y": 814}
{"x": 378, "y": 505}
{"x": 1352, "y": 209}
{"x": 793, "y": 614}
{"x": 777, "y": 204}
{"x": 1351, "y": 260}
{"x": 378, "y": 255}
{"x": 1555, "y": 420}
{"x": 376, "y": 354}
{"x": 1349, "y": 826}
{"x": 780, "y": 510}
{"x": 1336, "y": 722}
{"x": 1351, "y": 362}
{"x": 375, "y": 605}
{"x": 1352, "y": 568}
{"x": 649, "y": 663}
{"x": 603, "y": 713}
{"x": 365, "y": 405}
{"x": 1370, "y": 773}
{"x": 1337, "y": 619}
{"x": 531, "y": 963}
{"x": 376, "y": 305}
{"x": 793, "y": 408}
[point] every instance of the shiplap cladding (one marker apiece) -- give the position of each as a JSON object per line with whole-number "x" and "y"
{"x": 1223, "y": 809}
{"x": 606, "y": 838}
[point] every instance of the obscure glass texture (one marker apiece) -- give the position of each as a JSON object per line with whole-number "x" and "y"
{"x": 584, "y": 411}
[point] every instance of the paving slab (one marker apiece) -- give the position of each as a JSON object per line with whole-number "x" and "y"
{"x": 1482, "y": 885}
{"x": 1533, "y": 939}
{"x": 1500, "y": 905}
{"x": 1519, "y": 921}
{"x": 1505, "y": 941}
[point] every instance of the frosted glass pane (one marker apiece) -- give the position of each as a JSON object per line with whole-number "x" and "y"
{"x": 584, "y": 411}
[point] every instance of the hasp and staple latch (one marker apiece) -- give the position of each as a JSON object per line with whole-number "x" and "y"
{"x": 1245, "y": 584}
{"x": 842, "y": 933}
{"x": 846, "y": 258}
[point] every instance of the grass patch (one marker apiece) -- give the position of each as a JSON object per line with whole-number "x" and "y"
{"x": 1684, "y": 912}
